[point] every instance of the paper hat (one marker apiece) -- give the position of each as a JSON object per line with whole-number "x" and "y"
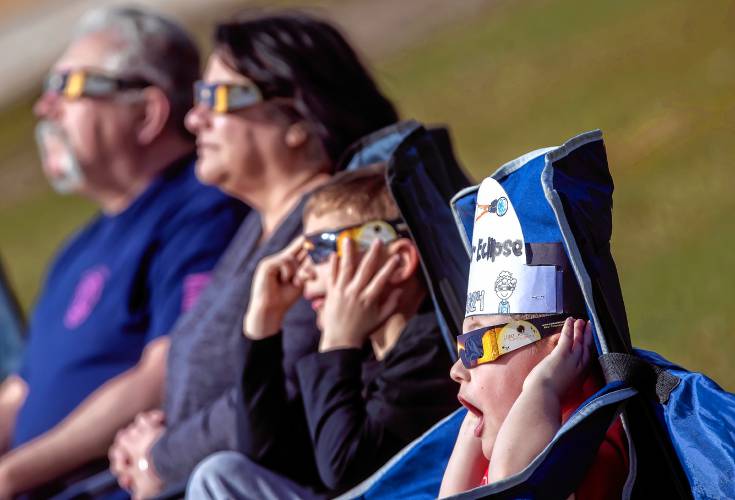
{"x": 502, "y": 277}
{"x": 518, "y": 263}
{"x": 562, "y": 197}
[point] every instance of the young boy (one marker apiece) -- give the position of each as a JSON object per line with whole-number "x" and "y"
{"x": 522, "y": 375}
{"x": 378, "y": 379}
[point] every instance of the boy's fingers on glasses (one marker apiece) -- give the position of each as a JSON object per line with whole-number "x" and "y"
{"x": 579, "y": 332}
{"x": 333, "y": 261}
{"x": 347, "y": 262}
{"x": 304, "y": 272}
{"x": 566, "y": 339}
{"x": 380, "y": 280}
{"x": 285, "y": 271}
{"x": 369, "y": 265}
{"x": 296, "y": 246}
{"x": 301, "y": 255}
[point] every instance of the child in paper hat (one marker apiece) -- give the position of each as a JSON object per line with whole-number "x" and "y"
{"x": 525, "y": 363}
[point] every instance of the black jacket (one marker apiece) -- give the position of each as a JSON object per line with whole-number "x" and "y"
{"x": 354, "y": 412}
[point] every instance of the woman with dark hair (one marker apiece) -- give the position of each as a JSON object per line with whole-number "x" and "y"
{"x": 324, "y": 79}
{"x": 281, "y": 99}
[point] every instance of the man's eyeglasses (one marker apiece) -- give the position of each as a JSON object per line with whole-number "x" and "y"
{"x": 485, "y": 345}
{"x": 82, "y": 83}
{"x": 321, "y": 245}
{"x": 224, "y": 97}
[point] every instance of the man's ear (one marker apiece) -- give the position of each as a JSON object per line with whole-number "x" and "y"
{"x": 409, "y": 259}
{"x": 156, "y": 111}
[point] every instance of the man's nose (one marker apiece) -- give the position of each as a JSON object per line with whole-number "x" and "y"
{"x": 47, "y": 105}
{"x": 459, "y": 373}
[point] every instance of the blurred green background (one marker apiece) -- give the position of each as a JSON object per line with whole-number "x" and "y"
{"x": 658, "y": 77}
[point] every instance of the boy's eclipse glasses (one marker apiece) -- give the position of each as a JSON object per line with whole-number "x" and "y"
{"x": 487, "y": 344}
{"x": 322, "y": 244}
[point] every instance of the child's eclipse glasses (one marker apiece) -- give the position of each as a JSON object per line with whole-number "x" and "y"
{"x": 82, "y": 83}
{"x": 225, "y": 97}
{"x": 485, "y": 345}
{"x": 322, "y": 244}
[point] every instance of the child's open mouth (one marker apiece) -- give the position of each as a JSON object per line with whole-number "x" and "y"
{"x": 317, "y": 301}
{"x": 476, "y": 412}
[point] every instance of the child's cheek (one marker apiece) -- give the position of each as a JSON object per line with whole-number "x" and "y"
{"x": 322, "y": 275}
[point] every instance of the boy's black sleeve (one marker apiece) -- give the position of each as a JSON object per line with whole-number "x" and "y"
{"x": 271, "y": 424}
{"x": 357, "y": 428}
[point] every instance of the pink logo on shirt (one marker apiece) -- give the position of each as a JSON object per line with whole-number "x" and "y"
{"x": 87, "y": 294}
{"x": 194, "y": 284}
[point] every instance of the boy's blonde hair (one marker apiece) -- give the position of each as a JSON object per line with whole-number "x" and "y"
{"x": 363, "y": 191}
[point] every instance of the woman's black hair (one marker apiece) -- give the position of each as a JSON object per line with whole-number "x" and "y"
{"x": 295, "y": 55}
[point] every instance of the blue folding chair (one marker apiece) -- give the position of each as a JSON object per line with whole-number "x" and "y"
{"x": 680, "y": 425}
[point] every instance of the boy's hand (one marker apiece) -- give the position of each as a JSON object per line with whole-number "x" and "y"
{"x": 567, "y": 362}
{"x": 467, "y": 464}
{"x": 357, "y": 301}
{"x": 275, "y": 289}
{"x": 536, "y": 415}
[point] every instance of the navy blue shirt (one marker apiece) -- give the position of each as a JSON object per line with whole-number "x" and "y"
{"x": 117, "y": 284}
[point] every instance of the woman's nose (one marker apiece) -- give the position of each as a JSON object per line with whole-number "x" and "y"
{"x": 195, "y": 119}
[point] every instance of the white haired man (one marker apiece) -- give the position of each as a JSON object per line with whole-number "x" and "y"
{"x": 111, "y": 129}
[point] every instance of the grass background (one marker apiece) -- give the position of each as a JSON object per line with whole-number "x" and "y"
{"x": 658, "y": 77}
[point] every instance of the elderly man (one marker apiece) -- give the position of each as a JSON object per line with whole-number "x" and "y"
{"x": 111, "y": 129}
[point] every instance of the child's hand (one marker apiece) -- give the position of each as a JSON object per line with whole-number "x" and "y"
{"x": 275, "y": 289}
{"x": 356, "y": 301}
{"x": 535, "y": 416}
{"x": 567, "y": 362}
{"x": 467, "y": 464}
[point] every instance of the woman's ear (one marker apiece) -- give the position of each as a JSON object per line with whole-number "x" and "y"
{"x": 408, "y": 256}
{"x": 301, "y": 138}
{"x": 156, "y": 110}
{"x": 297, "y": 135}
